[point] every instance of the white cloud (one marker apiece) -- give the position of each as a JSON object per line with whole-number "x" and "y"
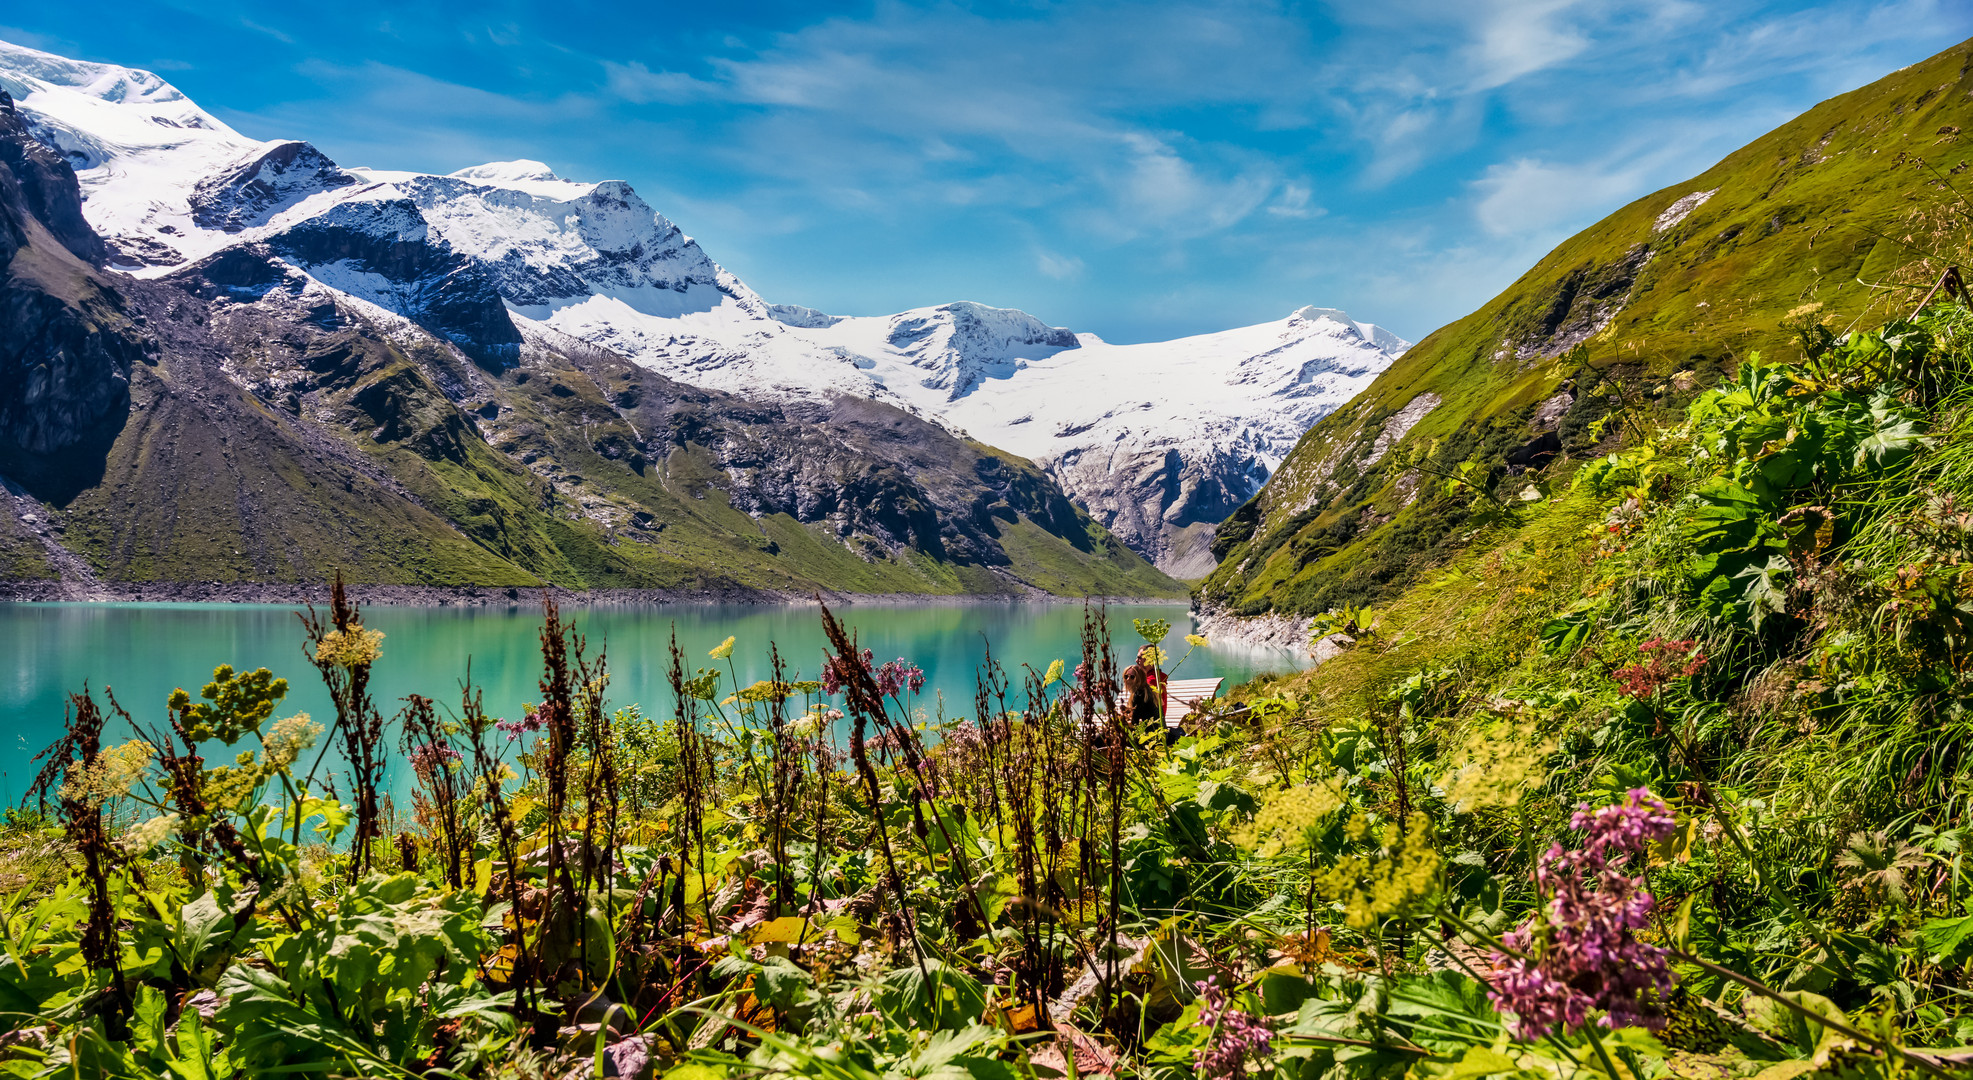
{"x": 1513, "y": 38}
{"x": 636, "y": 83}
{"x": 1058, "y": 267}
{"x": 1528, "y": 195}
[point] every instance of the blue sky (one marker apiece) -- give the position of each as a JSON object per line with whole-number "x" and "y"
{"x": 1138, "y": 170}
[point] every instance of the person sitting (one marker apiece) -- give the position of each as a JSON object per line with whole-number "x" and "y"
{"x": 1144, "y": 689}
{"x": 1138, "y": 705}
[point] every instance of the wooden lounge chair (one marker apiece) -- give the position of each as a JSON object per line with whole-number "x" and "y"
{"x": 1183, "y": 695}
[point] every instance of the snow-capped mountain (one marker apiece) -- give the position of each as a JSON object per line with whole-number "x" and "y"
{"x": 1158, "y": 441}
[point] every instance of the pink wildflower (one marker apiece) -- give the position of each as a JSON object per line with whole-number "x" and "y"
{"x": 1584, "y": 956}
{"x": 429, "y": 758}
{"x": 1239, "y": 1038}
{"x": 514, "y": 729}
{"x": 892, "y": 677}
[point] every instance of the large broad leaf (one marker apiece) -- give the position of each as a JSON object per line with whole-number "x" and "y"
{"x": 1766, "y": 588}
{"x": 1947, "y": 939}
{"x": 1896, "y": 436}
{"x": 1566, "y": 633}
{"x": 936, "y": 997}
{"x": 1730, "y": 517}
{"x": 1444, "y": 1010}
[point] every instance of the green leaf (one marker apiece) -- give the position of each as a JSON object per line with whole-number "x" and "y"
{"x": 1766, "y": 591}
{"x": 1566, "y": 633}
{"x": 1945, "y": 937}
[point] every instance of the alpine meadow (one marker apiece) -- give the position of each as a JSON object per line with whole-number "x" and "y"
{"x": 1619, "y": 723}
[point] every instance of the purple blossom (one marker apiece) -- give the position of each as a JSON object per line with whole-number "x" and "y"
{"x": 429, "y": 758}
{"x": 892, "y": 677}
{"x": 516, "y": 728}
{"x": 1080, "y": 692}
{"x": 895, "y": 676}
{"x": 1581, "y": 954}
{"x": 1238, "y": 1037}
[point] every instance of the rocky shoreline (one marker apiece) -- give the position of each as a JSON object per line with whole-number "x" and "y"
{"x": 214, "y": 592}
{"x": 1260, "y": 631}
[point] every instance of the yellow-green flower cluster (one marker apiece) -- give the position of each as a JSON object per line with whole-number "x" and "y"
{"x": 1291, "y": 820}
{"x": 109, "y": 776}
{"x": 1494, "y": 767}
{"x": 1197, "y": 641}
{"x": 723, "y": 650}
{"x": 143, "y": 837}
{"x": 704, "y": 686}
{"x": 239, "y": 703}
{"x": 1399, "y": 874}
{"x": 352, "y": 648}
{"x": 289, "y": 738}
{"x": 764, "y": 690}
{"x": 1054, "y": 675}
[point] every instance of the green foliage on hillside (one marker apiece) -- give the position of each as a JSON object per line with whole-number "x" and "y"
{"x": 1663, "y": 776}
{"x": 390, "y": 480}
{"x": 1836, "y": 215}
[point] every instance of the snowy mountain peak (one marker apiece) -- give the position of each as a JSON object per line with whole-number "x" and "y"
{"x": 806, "y": 317}
{"x": 24, "y": 70}
{"x": 522, "y": 169}
{"x": 1159, "y": 441}
{"x": 963, "y": 343}
{"x": 1370, "y": 332}
{"x": 263, "y": 186}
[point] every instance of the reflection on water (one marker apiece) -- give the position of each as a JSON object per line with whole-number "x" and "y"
{"x": 143, "y": 651}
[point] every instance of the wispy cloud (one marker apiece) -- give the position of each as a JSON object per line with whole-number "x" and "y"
{"x": 1141, "y": 169}
{"x": 1058, "y": 267}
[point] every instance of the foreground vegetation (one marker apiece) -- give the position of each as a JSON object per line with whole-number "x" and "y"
{"x": 1666, "y": 776}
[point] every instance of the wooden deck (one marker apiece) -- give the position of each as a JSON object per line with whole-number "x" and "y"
{"x": 1181, "y": 695}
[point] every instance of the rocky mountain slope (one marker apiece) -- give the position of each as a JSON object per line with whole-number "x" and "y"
{"x": 1803, "y": 230}
{"x": 237, "y": 385}
{"x": 1159, "y": 442}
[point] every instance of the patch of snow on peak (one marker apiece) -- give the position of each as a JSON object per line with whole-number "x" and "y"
{"x": 139, "y": 147}
{"x": 797, "y": 315}
{"x": 1158, "y": 440}
{"x": 960, "y": 345}
{"x": 522, "y": 169}
{"x": 1681, "y": 209}
{"x": 1370, "y": 332}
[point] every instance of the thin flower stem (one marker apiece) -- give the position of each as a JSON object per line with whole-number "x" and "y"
{"x": 1603, "y": 1053}
{"x": 1763, "y": 990}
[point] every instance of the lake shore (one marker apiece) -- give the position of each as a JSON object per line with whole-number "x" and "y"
{"x": 215, "y": 592}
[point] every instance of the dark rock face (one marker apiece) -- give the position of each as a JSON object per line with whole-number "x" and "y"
{"x": 860, "y": 468}
{"x": 46, "y": 185}
{"x": 1167, "y": 501}
{"x": 259, "y": 189}
{"x": 388, "y": 255}
{"x": 67, "y": 342}
{"x": 1582, "y": 303}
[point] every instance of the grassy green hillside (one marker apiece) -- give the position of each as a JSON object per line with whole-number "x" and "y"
{"x": 397, "y": 461}
{"x": 1821, "y": 220}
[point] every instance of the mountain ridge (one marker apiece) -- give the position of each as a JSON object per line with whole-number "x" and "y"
{"x": 593, "y": 260}
{"x": 231, "y": 421}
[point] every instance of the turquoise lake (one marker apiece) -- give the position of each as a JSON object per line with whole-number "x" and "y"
{"x": 144, "y": 651}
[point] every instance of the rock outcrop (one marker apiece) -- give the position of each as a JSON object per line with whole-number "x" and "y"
{"x": 67, "y": 341}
